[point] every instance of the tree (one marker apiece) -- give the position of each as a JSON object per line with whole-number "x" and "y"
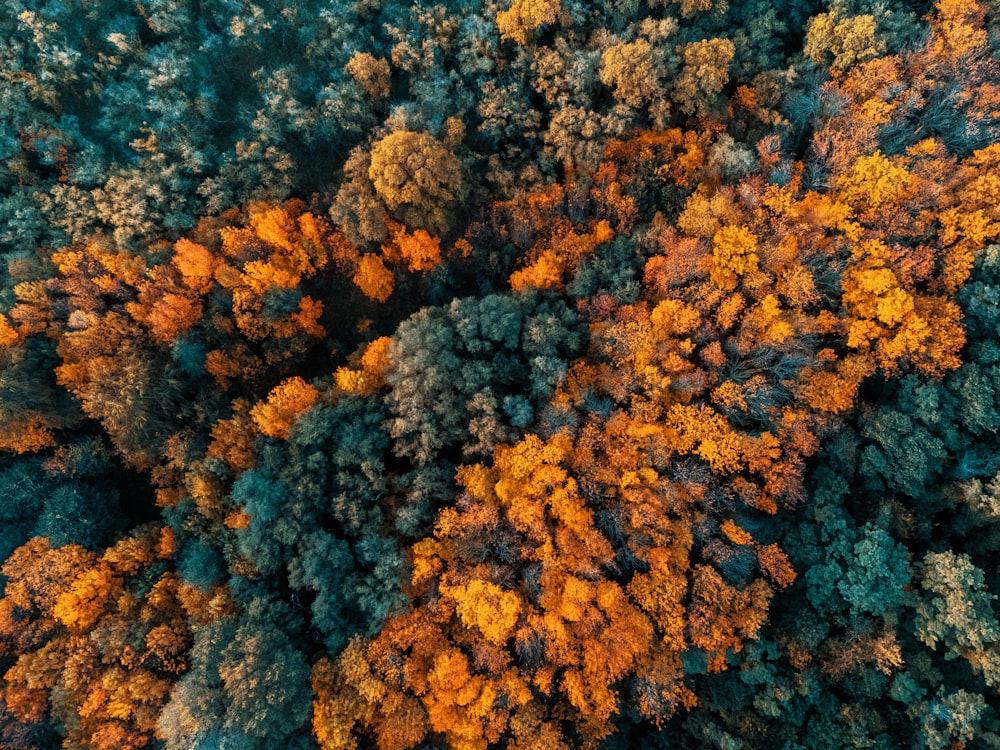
{"x": 525, "y": 16}
{"x": 372, "y": 73}
{"x": 955, "y": 612}
{"x": 630, "y": 70}
{"x": 703, "y": 77}
{"x": 734, "y": 253}
{"x": 373, "y": 278}
{"x": 420, "y": 181}
{"x": 285, "y": 402}
{"x": 842, "y": 42}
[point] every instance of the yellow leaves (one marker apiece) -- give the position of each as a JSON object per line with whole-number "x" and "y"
{"x": 417, "y": 177}
{"x": 704, "y": 75}
{"x": 872, "y": 292}
{"x": 462, "y": 705}
{"x": 373, "y": 278}
{"x": 353, "y": 381}
{"x": 842, "y": 42}
{"x": 284, "y": 404}
{"x": 705, "y": 212}
{"x": 895, "y": 325}
{"x": 965, "y": 229}
{"x": 521, "y": 461}
{"x": 477, "y": 480}
{"x": 335, "y": 710}
{"x": 643, "y": 476}
{"x": 765, "y": 324}
{"x": 486, "y": 607}
{"x": 734, "y": 254}
{"x": 874, "y": 181}
{"x": 946, "y": 338}
{"x": 700, "y": 430}
{"x": 628, "y": 68}
{"x": 260, "y": 275}
{"x": 690, "y": 7}
{"x": 371, "y": 73}
{"x": 426, "y": 561}
{"x": 672, "y": 316}
{"x": 524, "y": 17}
{"x": 371, "y": 376}
{"x": 356, "y": 671}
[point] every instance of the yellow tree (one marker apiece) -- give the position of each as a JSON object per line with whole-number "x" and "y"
{"x": 418, "y": 178}
{"x": 286, "y": 401}
{"x": 524, "y": 17}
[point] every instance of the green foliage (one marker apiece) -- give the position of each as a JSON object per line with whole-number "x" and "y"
{"x": 453, "y": 369}
{"x": 877, "y": 574}
{"x": 955, "y": 612}
{"x": 904, "y": 456}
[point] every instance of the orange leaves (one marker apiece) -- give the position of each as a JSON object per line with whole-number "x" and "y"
{"x": 559, "y": 256}
{"x": 84, "y": 602}
{"x": 371, "y": 73}
{"x": 835, "y": 391}
{"x": 660, "y": 592}
{"x": 104, "y": 690}
{"x": 469, "y": 709}
{"x": 722, "y": 616}
{"x": 683, "y": 259}
{"x": 38, "y": 574}
{"x": 533, "y": 488}
{"x": 776, "y": 565}
{"x": 373, "y": 278}
{"x": 675, "y": 154}
{"x": 26, "y": 435}
{"x": 734, "y": 533}
{"x": 8, "y": 334}
{"x": 301, "y": 236}
{"x": 168, "y": 316}
{"x": 958, "y": 28}
{"x": 285, "y": 402}
{"x": 196, "y": 263}
{"x": 420, "y": 250}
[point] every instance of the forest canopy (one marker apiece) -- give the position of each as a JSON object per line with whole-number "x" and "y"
{"x": 523, "y": 374}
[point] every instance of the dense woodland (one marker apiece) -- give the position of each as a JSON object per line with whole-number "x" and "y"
{"x": 538, "y": 375}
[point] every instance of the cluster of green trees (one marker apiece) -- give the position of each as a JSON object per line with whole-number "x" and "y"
{"x": 532, "y": 374}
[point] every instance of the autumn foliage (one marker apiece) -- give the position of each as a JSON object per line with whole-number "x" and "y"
{"x": 630, "y": 379}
